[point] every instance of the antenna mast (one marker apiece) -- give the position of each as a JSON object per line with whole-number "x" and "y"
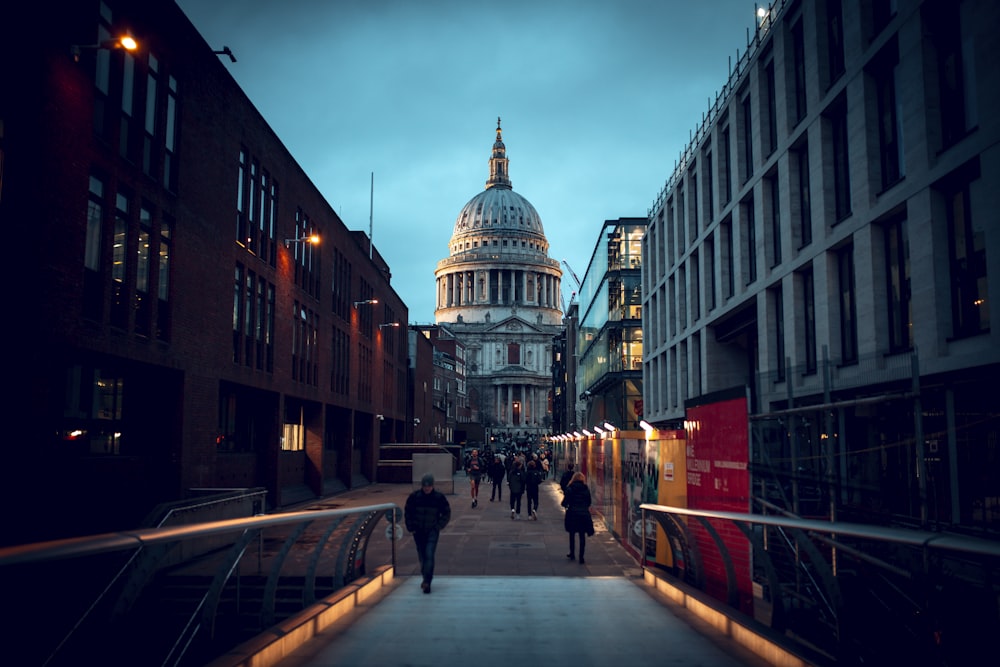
{"x": 371, "y": 226}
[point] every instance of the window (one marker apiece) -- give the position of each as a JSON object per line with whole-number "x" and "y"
{"x": 834, "y": 41}
{"x": 149, "y": 143}
{"x": 725, "y": 166}
{"x": 808, "y": 321}
{"x": 967, "y": 253}
{"x": 305, "y": 333}
{"x": 746, "y": 138}
{"x": 94, "y": 411}
{"x": 693, "y": 229}
{"x": 237, "y": 313}
{"x": 798, "y": 96}
{"x": 119, "y": 261}
{"x": 293, "y": 437}
{"x": 241, "y": 194}
{"x": 163, "y": 279}
{"x": 840, "y": 162}
{"x": 671, "y": 234}
{"x": 695, "y": 287}
{"x": 93, "y": 274}
{"x": 772, "y": 192}
{"x": 770, "y": 108}
{"x": 306, "y": 256}
{"x": 749, "y": 241}
{"x": 848, "y": 306}
{"x": 340, "y": 362}
{"x": 126, "y": 130}
{"x": 946, "y": 22}
{"x": 890, "y": 131}
{"x": 801, "y": 197}
{"x": 170, "y": 162}
{"x": 143, "y": 278}
{"x": 710, "y": 279}
{"x": 513, "y": 354}
{"x": 709, "y": 186}
{"x": 882, "y": 12}
{"x": 681, "y": 222}
{"x": 776, "y": 295}
{"x": 897, "y": 278}
{"x": 727, "y": 259}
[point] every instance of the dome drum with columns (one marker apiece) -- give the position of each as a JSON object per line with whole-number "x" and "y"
{"x": 500, "y": 293}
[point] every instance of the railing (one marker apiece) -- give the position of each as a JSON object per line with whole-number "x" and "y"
{"x": 851, "y": 594}
{"x": 123, "y": 598}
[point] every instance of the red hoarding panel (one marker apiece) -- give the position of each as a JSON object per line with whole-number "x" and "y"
{"x": 718, "y": 479}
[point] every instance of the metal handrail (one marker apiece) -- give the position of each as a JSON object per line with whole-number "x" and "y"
{"x": 918, "y": 538}
{"x": 816, "y": 579}
{"x": 132, "y": 543}
{"x": 108, "y": 542}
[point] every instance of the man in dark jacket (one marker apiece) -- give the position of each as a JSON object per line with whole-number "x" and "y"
{"x": 566, "y": 476}
{"x": 516, "y": 482}
{"x": 497, "y": 473}
{"x": 426, "y": 514}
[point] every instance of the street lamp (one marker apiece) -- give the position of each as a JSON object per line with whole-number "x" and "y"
{"x": 388, "y": 324}
{"x": 311, "y": 238}
{"x": 366, "y": 301}
{"x": 126, "y": 42}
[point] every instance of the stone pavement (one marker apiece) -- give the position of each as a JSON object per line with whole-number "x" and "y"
{"x": 505, "y": 594}
{"x": 486, "y": 541}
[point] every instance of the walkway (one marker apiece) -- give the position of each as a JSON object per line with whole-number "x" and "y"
{"x": 504, "y": 593}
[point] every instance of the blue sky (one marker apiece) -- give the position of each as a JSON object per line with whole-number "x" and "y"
{"x": 598, "y": 100}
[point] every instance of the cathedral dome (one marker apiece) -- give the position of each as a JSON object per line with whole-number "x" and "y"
{"x": 498, "y": 265}
{"x": 498, "y": 218}
{"x": 498, "y": 210}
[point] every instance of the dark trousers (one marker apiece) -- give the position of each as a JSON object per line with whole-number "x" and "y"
{"x": 532, "y": 499}
{"x": 515, "y": 502}
{"x": 583, "y": 543}
{"x": 426, "y": 546}
{"x": 497, "y": 489}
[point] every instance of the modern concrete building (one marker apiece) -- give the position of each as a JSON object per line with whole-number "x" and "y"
{"x": 829, "y": 241}
{"x": 498, "y": 292}
{"x": 176, "y": 328}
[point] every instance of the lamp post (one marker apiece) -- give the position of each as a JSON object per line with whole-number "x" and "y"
{"x": 126, "y": 42}
{"x": 311, "y": 239}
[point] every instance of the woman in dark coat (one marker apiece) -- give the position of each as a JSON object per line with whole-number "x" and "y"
{"x": 578, "y": 520}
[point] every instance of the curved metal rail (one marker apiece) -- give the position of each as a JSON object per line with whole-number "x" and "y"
{"x": 208, "y": 603}
{"x": 858, "y": 594}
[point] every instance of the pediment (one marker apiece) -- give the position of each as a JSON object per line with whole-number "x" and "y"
{"x": 515, "y": 325}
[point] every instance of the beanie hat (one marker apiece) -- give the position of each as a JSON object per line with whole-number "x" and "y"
{"x": 427, "y": 480}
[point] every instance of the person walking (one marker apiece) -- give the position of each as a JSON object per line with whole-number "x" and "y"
{"x": 474, "y": 471}
{"x": 425, "y": 515}
{"x": 532, "y": 480}
{"x": 566, "y": 477}
{"x": 578, "y": 520}
{"x": 516, "y": 484}
{"x": 497, "y": 473}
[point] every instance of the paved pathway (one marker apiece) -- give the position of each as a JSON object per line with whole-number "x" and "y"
{"x": 505, "y": 595}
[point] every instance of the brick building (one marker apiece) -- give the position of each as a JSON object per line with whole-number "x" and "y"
{"x": 179, "y": 330}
